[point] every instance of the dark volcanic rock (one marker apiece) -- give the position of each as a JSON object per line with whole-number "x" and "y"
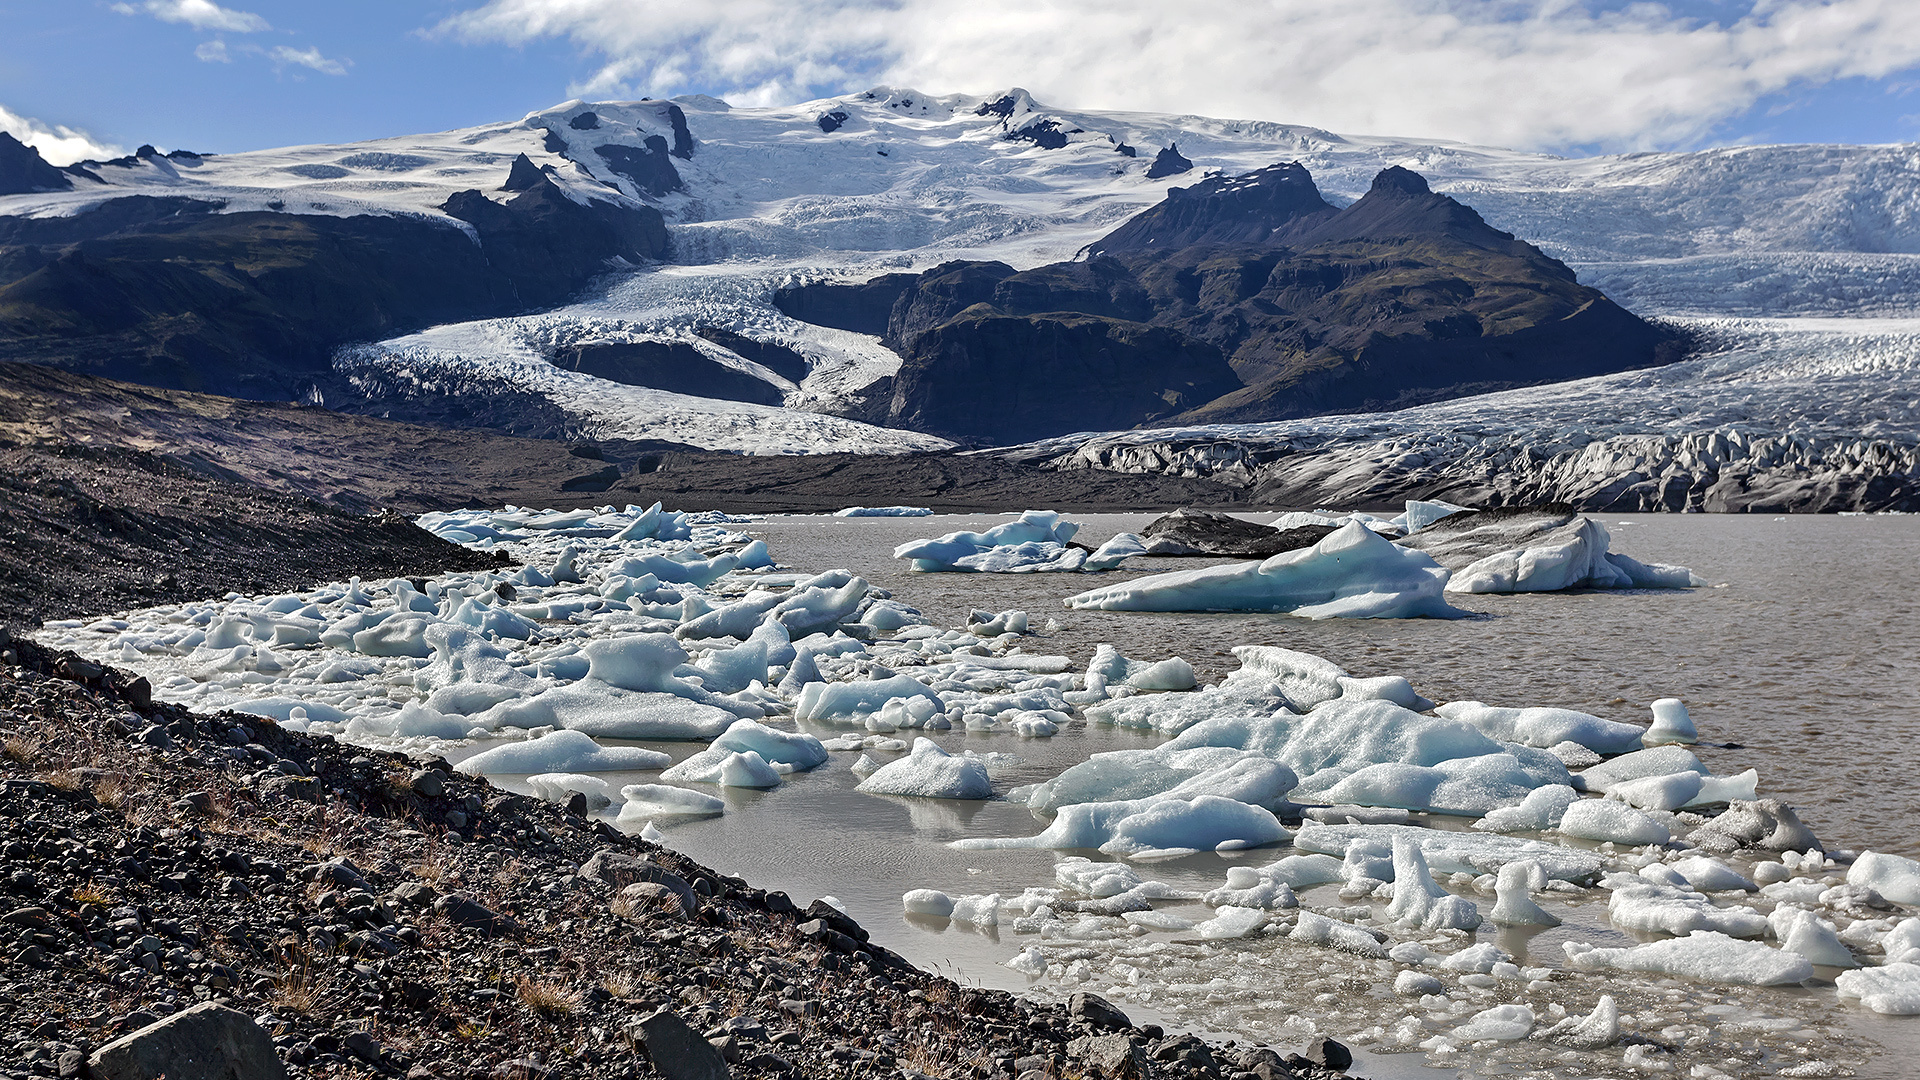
{"x": 1248, "y": 209}
{"x": 1196, "y": 532}
{"x": 523, "y": 175}
{"x": 1168, "y": 162}
{"x": 678, "y": 1051}
{"x": 989, "y": 378}
{"x": 22, "y": 169}
{"x": 586, "y": 121}
{"x": 832, "y": 121}
{"x": 167, "y": 293}
{"x": 205, "y": 1042}
{"x": 666, "y": 365}
{"x": 1096, "y": 1010}
{"x": 646, "y": 166}
{"x": 863, "y": 308}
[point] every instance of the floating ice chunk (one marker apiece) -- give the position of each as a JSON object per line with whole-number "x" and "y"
{"x": 1478, "y": 959}
{"x": 559, "y": 787}
{"x": 1676, "y": 790}
{"x": 1394, "y": 688}
{"x": 647, "y": 801}
{"x": 1158, "y": 920}
{"x": 1894, "y": 877}
{"x": 1655, "y": 761}
{"x": 1096, "y": 879}
{"x": 1118, "y": 775}
{"x": 945, "y": 553}
{"x": 1764, "y": 823}
{"x": 1893, "y": 990}
{"x": 1902, "y": 943}
{"x": 1454, "y": 852}
{"x": 798, "y": 749}
{"x": 1574, "y": 556}
{"x": 1544, "y": 727}
{"x": 1316, "y": 929}
{"x": 978, "y": 910}
{"x": 1418, "y": 900}
{"x": 865, "y": 766}
{"x": 929, "y": 772}
{"x": 727, "y": 768}
{"x": 608, "y": 712}
{"x": 1150, "y": 828}
{"x": 1711, "y": 875}
{"x": 1351, "y": 573}
{"x": 561, "y": 751}
{"x": 1704, "y": 956}
{"x": 1271, "y": 886}
{"x": 1421, "y": 513}
{"x": 281, "y": 709}
{"x": 1307, "y": 680}
{"x": 1115, "y": 551}
{"x": 1671, "y": 724}
{"x": 411, "y": 720}
{"x": 1232, "y": 922}
{"x": 396, "y": 636}
{"x": 1030, "y": 961}
{"x": 1468, "y": 785}
{"x": 1651, "y": 907}
{"x": 729, "y": 671}
{"x": 926, "y": 901}
{"x": 1173, "y": 713}
{"x": 1596, "y": 1030}
{"x": 1502, "y": 1023}
{"x": 1814, "y": 938}
{"x": 1410, "y": 983}
{"x": 887, "y": 616}
{"x": 883, "y": 511}
{"x": 1538, "y": 812}
{"x": 990, "y": 624}
{"x": 1512, "y": 906}
{"x": 1611, "y": 822}
{"x": 824, "y": 701}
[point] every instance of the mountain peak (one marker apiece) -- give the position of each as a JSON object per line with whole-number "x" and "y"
{"x": 23, "y": 170}
{"x": 1246, "y": 209}
{"x": 1393, "y": 178}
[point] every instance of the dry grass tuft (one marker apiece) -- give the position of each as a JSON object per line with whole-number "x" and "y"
{"x": 548, "y": 997}
{"x": 93, "y": 893}
{"x": 21, "y": 748}
{"x": 61, "y": 780}
{"x": 111, "y": 791}
{"x": 621, "y": 986}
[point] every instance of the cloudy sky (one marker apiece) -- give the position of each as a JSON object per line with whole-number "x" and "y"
{"x": 81, "y": 78}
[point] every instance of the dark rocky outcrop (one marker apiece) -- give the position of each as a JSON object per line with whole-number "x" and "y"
{"x": 1402, "y": 298}
{"x": 1196, "y": 532}
{"x": 832, "y": 120}
{"x": 523, "y": 175}
{"x": 776, "y": 358}
{"x": 169, "y": 292}
{"x": 645, "y": 166}
{"x": 586, "y": 121}
{"x": 1168, "y": 162}
{"x": 989, "y": 378}
{"x": 23, "y": 170}
{"x": 666, "y": 365}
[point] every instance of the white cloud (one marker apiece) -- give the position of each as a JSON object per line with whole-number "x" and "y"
{"x": 59, "y": 144}
{"x": 1530, "y": 73}
{"x": 283, "y": 56}
{"x": 199, "y": 14}
{"x": 213, "y": 52}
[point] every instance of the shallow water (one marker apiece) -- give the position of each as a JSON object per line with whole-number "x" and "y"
{"x": 1799, "y": 652}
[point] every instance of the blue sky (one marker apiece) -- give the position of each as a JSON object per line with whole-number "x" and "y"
{"x": 1539, "y": 74}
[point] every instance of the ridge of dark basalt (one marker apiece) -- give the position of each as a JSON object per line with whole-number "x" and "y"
{"x": 1271, "y": 304}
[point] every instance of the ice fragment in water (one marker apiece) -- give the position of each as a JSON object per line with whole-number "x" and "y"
{"x": 927, "y": 902}
{"x": 1512, "y": 906}
{"x": 1893, "y": 989}
{"x": 1892, "y": 876}
{"x": 1232, "y": 922}
{"x": 561, "y": 751}
{"x": 726, "y": 768}
{"x": 1503, "y": 1023}
{"x": 1611, "y": 822}
{"x": 1314, "y": 929}
{"x": 1419, "y": 900}
{"x": 644, "y": 801}
{"x": 1030, "y": 961}
{"x": 1538, "y": 812}
{"x": 930, "y": 772}
{"x": 1704, "y": 956}
{"x": 1545, "y": 727}
{"x": 1671, "y": 724}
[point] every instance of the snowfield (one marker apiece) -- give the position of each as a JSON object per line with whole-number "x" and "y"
{"x": 1772, "y": 253}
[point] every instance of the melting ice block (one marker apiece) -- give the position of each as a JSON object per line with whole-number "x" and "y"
{"x": 1610, "y": 822}
{"x": 798, "y": 749}
{"x": 727, "y": 768}
{"x": 926, "y": 901}
{"x": 595, "y": 708}
{"x": 1704, "y": 956}
{"x": 1545, "y": 727}
{"x": 1894, "y": 877}
{"x": 1512, "y": 906}
{"x": 1671, "y": 724}
{"x": 883, "y": 511}
{"x": 1352, "y": 573}
{"x": 1893, "y": 989}
{"x": 1118, "y": 775}
{"x": 1454, "y": 852}
{"x": 930, "y": 773}
{"x": 1150, "y": 828}
{"x": 647, "y": 801}
{"x": 561, "y": 751}
{"x": 1502, "y": 1023}
{"x": 1042, "y": 529}
{"x": 1574, "y": 556}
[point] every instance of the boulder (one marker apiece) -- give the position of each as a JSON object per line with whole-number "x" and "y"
{"x": 205, "y": 1042}
{"x": 678, "y": 1051}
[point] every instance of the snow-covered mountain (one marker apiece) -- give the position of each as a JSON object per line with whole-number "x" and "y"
{"x": 894, "y": 179}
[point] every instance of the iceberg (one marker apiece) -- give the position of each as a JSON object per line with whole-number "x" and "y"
{"x": 1546, "y": 727}
{"x": 1352, "y": 573}
{"x": 1149, "y": 828}
{"x": 645, "y": 802}
{"x": 727, "y": 768}
{"x": 1574, "y": 556}
{"x": 561, "y": 751}
{"x": 883, "y": 511}
{"x": 1453, "y": 852}
{"x": 1042, "y": 528}
{"x": 1704, "y": 956}
{"x": 1893, "y": 990}
{"x": 929, "y": 772}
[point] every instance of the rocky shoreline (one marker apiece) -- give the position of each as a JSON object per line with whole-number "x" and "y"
{"x": 358, "y": 913}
